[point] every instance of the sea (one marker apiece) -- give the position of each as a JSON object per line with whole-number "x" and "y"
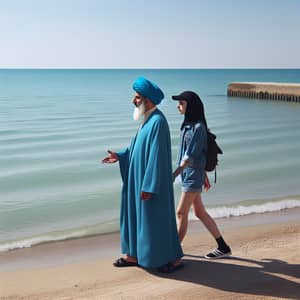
{"x": 56, "y": 125}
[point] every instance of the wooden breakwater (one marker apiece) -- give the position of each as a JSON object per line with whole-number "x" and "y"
{"x": 265, "y": 90}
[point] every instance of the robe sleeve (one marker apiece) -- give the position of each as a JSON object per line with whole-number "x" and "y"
{"x": 123, "y": 163}
{"x": 158, "y": 158}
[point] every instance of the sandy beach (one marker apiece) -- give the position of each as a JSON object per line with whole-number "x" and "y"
{"x": 264, "y": 265}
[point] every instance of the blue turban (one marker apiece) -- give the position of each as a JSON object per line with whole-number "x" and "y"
{"x": 148, "y": 89}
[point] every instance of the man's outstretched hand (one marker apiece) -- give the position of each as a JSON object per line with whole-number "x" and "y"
{"x": 111, "y": 158}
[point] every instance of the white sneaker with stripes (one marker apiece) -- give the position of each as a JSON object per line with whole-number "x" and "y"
{"x": 215, "y": 254}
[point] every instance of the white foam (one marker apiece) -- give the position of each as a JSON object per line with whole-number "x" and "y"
{"x": 242, "y": 210}
{"x": 27, "y": 243}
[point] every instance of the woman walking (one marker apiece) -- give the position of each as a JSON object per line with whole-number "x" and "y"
{"x": 191, "y": 163}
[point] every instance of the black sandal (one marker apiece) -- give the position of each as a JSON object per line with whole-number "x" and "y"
{"x": 122, "y": 262}
{"x": 170, "y": 267}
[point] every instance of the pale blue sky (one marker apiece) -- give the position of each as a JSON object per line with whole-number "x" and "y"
{"x": 150, "y": 34}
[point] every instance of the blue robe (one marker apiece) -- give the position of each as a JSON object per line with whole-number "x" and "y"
{"x": 148, "y": 227}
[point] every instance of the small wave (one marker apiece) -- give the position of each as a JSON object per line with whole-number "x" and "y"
{"x": 242, "y": 210}
{"x": 27, "y": 243}
{"x": 92, "y": 230}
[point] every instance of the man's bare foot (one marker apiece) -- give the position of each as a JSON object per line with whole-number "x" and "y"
{"x": 126, "y": 261}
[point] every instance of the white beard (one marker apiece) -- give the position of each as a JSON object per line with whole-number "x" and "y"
{"x": 138, "y": 112}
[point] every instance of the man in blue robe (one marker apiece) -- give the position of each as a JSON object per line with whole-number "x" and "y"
{"x": 148, "y": 228}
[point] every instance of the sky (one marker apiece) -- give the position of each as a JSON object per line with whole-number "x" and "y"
{"x": 149, "y": 34}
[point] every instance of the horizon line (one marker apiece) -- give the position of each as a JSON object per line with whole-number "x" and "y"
{"x": 149, "y": 68}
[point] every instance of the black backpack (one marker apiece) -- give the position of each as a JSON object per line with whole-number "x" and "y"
{"x": 212, "y": 153}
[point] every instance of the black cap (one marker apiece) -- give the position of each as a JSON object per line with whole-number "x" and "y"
{"x": 187, "y": 96}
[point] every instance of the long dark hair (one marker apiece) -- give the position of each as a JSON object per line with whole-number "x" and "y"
{"x": 194, "y": 110}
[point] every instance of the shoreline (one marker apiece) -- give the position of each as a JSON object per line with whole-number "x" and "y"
{"x": 264, "y": 265}
{"x": 104, "y": 246}
{"x": 221, "y": 212}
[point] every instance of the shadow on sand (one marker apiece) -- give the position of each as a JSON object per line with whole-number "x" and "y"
{"x": 233, "y": 277}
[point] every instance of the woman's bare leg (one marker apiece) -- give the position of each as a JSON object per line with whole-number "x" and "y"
{"x": 182, "y": 212}
{"x": 201, "y": 213}
{"x": 206, "y": 219}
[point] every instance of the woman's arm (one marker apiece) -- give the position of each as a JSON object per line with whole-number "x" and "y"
{"x": 182, "y": 166}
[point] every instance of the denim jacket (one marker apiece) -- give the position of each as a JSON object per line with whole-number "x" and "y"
{"x": 193, "y": 145}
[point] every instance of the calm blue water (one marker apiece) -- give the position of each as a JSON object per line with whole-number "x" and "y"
{"x": 56, "y": 125}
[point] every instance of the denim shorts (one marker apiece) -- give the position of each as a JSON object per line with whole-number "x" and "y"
{"x": 192, "y": 179}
